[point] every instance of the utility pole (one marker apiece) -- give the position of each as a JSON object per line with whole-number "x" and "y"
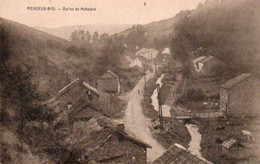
{"x": 144, "y": 77}
{"x": 155, "y": 67}
{"x": 160, "y": 114}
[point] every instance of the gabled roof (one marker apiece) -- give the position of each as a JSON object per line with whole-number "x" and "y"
{"x": 206, "y": 59}
{"x": 71, "y": 85}
{"x": 236, "y": 80}
{"x": 146, "y": 50}
{"x": 113, "y": 74}
{"x": 199, "y": 59}
{"x": 178, "y": 154}
{"x": 92, "y": 134}
{"x": 109, "y": 74}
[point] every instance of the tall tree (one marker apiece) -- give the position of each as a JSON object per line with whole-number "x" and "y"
{"x": 95, "y": 37}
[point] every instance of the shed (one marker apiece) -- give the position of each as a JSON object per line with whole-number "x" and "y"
{"x": 109, "y": 82}
{"x": 229, "y": 144}
{"x": 177, "y": 154}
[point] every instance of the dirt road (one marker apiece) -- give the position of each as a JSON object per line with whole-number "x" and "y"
{"x": 136, "y": 122}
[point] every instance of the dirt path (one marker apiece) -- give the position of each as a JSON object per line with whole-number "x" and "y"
{"x": 135, "y": 121}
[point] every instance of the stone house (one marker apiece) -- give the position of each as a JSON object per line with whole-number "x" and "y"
{"x": 204, "y": 65}
{"x": 147, "y": 53}
{"x": 79, "y": 94}
{"x": 109, "y": 83}
{"x": 239, "y": 97}
{"x": 136, "y": 62}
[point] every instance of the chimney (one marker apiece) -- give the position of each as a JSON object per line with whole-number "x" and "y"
{"x": 121, "y": 127}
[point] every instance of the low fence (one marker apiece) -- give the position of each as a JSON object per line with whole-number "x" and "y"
{"x": 208, "y": 114}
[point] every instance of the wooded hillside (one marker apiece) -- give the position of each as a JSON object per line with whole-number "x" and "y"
{"x": 227, "y": 29}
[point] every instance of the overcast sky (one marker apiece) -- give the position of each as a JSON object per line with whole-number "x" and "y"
{"x": 107, "y": 11}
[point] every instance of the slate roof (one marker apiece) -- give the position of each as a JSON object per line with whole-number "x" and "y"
{"x": 178, "y": 154}
{"x": 229, "y": 143}
{"x": 236, "y": 80}
{"x": 90, "y": 135}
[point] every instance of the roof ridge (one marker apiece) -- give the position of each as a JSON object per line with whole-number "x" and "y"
{"x": 113, "y": 74}
{"x": 225, "y": 85}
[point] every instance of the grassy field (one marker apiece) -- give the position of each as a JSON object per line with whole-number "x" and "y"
{"x": 212, "y": 151}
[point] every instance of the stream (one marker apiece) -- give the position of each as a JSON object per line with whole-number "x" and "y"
{"x": 194, "y": 145}
{"x": 165, "y": 108}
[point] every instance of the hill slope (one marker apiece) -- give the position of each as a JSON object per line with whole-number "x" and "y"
{"x": 228, "y": 30}
{"x": 161, "y": 28}
{"x": 49, "y": 57}
{"x": 64, "y": 32}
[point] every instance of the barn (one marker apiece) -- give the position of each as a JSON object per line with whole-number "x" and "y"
{"x": 239, "y": 96}
{"x": 109, "y": 82}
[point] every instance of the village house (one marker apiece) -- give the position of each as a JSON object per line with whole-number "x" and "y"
{"x": 147, "y": 53}
{"x": 79, "y": 94}
{"x": 98, "y": 139}
{"x": 109, "y": 82}
{"x": 204, "y": 64}
{"x": 177, "y": 154}
{"x": 166, "y": 51}
{"x": 239, "y": 97}
{"x": 136, "y": 62}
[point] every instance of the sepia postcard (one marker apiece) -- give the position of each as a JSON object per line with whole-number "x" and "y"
{"x": 129, "y": 81}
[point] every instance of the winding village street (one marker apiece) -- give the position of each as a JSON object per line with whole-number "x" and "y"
{"x": 136, "y": 122}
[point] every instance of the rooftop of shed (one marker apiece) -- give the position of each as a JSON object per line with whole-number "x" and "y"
{"x": 229, "y": 143}
{"x": 234, "y": 81}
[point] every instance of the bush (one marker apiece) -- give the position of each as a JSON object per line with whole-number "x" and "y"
{"x": 193, "y": 95}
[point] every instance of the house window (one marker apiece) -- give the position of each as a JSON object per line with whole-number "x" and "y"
{"x": 89, "y": 95}
{"x": 69, "y": 105}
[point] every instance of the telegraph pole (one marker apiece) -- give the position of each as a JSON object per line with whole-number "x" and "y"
{"x": 160, "y": 114}
{"x": 155, "y": 67}
{"x": 144, "y": 77}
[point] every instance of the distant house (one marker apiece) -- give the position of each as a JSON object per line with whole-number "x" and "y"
{"x": 166, "y": 51}
{"x": 204, "y": 64}
{"x": 239, "y": 97}
{"x": 177, "y": 154}
{"x": 104, "y": 141}
{"x": 109, "y": 82}
{"x": 147, "y": 53}
{"x": 79, "y": 94}
{"x": 136, "y": 62}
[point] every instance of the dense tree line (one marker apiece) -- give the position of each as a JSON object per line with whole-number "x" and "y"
{"x": 224, "y": 29}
